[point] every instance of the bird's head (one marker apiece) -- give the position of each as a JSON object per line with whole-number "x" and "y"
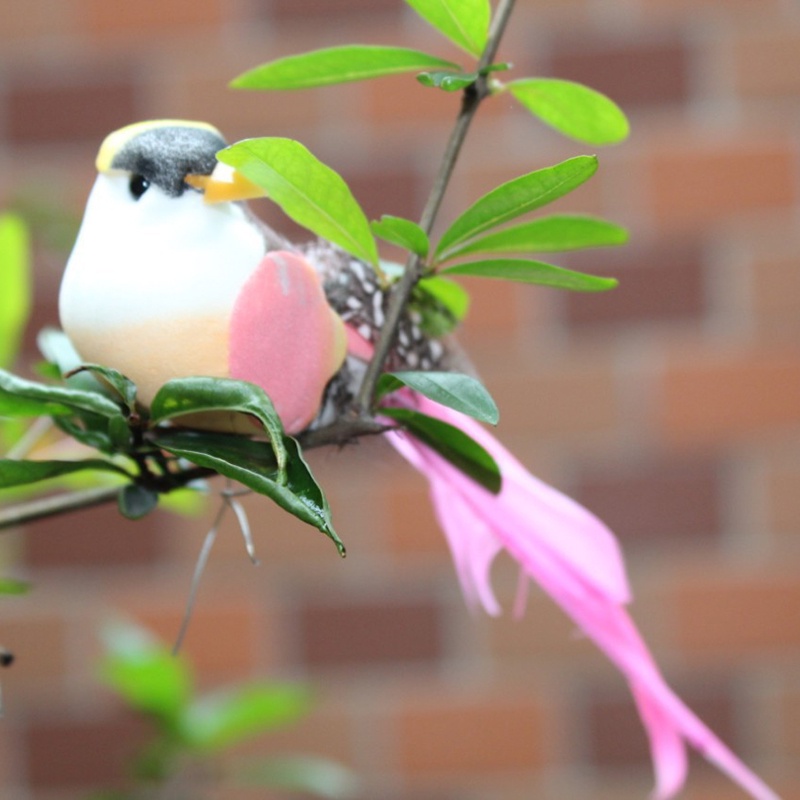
{"x": 175, "y": 157}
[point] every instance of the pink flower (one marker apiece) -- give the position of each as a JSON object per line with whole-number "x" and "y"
{"x": 575, "y": 558}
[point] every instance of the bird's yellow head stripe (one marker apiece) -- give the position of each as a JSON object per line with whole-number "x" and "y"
{"x": 115, "y": 141}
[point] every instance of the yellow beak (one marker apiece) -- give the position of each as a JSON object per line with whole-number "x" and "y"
{"x": 225, "y": 185}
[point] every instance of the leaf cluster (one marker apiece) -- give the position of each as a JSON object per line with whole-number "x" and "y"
{"x": 316, "y": 197}
{"x": 190, "y": 727}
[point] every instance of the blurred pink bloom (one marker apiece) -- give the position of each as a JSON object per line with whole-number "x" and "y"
{"x": 575, "y": 558}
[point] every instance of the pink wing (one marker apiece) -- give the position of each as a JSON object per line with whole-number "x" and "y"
{"x": 285, "y": 338}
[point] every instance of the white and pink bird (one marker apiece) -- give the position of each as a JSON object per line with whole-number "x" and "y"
{"x": 171, "y": 276}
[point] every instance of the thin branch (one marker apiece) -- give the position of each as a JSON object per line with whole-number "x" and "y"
{"x": 472, "y": 98}
{"x": 44, "y": 507}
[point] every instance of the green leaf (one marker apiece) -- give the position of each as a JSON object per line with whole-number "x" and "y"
{"x": 13, "y": 586}
{"x": 463, "y": 22}
{"x": 453, "y": 296}
{"x": 20, "y": 397}
{"x": 517, "y": 197}
{"x": 308, "y": 191}
{"x": 91, "y": 430}
{"x": 452, "y": 444}
{"x": 193, "y": 395}
{"x": 336, "y": 65}
{"x": 452, "y": 389}
{"x": 252, "y": 463}
{"x": 19, "y": 473}
{"x": 223, "y": 719}
{"x": 136, "y": 501}
{"x": 15, "y": 291}
{"x": 124, "y": 387}
{"x": 145, "y": 674}
{"x": 447, "y": 80}
{"x": 572, "y": 109}
{"x": 402, "y": 232}
{"x": 528, "y": 271}
{"x": 319, "y": 777}
{"x": 548, "y": 234}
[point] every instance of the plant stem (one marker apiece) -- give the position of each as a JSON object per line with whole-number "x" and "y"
{"x": 471, "y": 99}
{"x": 44, "y": 507}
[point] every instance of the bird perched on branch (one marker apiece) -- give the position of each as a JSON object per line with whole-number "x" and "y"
{"x": 171, "y": 276}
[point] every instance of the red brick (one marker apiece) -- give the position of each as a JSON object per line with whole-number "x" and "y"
{"x": 631, "y": 73}
{"x": 694, "y": 184}
{"x": 723, "y": 615}
{"x": 24, "y": 23}
{"x": 370, "y": 633}
{"x": 471, "y": 735}
{"x": 72, "y": 753}
{"x": 768, "y": 62}
{"x": 714, "y": 396}
{"x": 58, "y": 111}
{"x": 783, "y": 497}
{"x": 94, "y": 538}
{"x": 553, "y": 402}
{"x": 166, "y": 18}
{"x": 401, "y": 102}
{"x": 39, "y": 645}
{"x": 410, "y": 520}
{"x": 776, "y": 294}
{"x": 666, "y": 502}
{"x": 222, "y": 642}
{"x": 303, "y": 9}
{"x": 392, "y": 189}
{"x": 665, "y": 283}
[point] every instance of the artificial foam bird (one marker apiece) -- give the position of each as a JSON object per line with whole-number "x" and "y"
{"x": 171, "y": 277}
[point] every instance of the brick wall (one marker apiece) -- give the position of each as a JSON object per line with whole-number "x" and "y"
{"x": 671, "y": 406}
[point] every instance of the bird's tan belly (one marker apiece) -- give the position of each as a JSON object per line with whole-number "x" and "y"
{"x": 152, "y": 353}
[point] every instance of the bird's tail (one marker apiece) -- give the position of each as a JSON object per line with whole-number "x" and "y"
{"x": 575, "y": 558}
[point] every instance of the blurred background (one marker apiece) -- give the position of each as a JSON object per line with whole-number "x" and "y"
{"x": 670, "y": 406}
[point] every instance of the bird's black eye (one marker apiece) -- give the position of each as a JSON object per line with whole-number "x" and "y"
{"x": 138, "y": 186}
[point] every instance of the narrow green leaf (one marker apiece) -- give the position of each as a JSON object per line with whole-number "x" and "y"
{"x": 15, "y": 292}
{"x": 225, "y": 718}
{"x": 402, "y": 232}
{"x": 252, "y": 463}
{"x": 145, "y": 673}
{"x": 572, "y": 109}
{"x": 124, "y": 387}
{"x": 93, "y": 431}
{"x": 447, "y": 80}
{"x": 20, "y": 397}
{"x": 13, "y": 586}
{"x": 546, "y": 235}
{"x": 192, "y": 395}
{"x": 19, "y": 473}
{"x": 528, "y": 271}
{"x": 463, "y": 22}
{"x": 136, "y": 501}
{"x": 517, "y": 197}
{"x": 308, "y": 191}
{"x": 453, "y": 296}
{"x": 337, "y": 65}
{"x": 452, "y": 389}
{"x": 309, "y": 775}
{"x": 452, "y": 444}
